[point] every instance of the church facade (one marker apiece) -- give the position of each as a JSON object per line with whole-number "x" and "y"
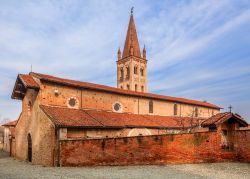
{"x": 55, "y": 109}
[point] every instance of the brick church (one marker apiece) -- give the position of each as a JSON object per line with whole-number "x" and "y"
{"x": 55, "y": 109}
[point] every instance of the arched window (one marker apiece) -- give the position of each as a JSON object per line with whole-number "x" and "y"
{"x": 127, "y": 86}
{"x": 128, "y": 72}
{"x": 135, "y": 87}
{"x": 196, "y": 112}
{"x": 122, "y": 74}
{"x": 142, "y": 88}
{"x": 151, "y": 106}
{"x": 142, "y": 71}
{"x": 135, "y": 69}
{"x": 175, "y": 109}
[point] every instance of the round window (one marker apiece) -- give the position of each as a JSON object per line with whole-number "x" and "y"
{"x": 117, "y": 107}
{"x": 72, "y": 102}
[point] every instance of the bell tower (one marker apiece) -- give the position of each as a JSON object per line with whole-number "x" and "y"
{"x": 131, "y": 66}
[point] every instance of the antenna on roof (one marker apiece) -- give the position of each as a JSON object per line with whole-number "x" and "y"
{"x": 31, "y": 68}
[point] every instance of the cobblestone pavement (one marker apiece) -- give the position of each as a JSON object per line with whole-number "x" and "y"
{"x": 11, "y": 168}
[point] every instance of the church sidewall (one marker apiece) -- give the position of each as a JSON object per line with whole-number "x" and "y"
{"x": 34, "y": 121}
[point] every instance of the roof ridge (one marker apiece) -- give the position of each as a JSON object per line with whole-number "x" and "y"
{"x": 221, "y": 117}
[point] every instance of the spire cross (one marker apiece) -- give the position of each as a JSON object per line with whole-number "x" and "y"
{"x": 132, "y": 10}
{"x": 230, "y": 108}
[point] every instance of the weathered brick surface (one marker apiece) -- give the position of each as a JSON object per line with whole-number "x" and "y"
{"x": 242, "y": 144}
{"x": 92, "y": 99}
{"x": 34, "y": 122}
{"x": 161, "y": 149}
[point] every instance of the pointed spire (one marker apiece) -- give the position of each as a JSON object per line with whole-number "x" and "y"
{"x": 119, "y": 54}
{"x": 144, "y": 54}
{"x": 131, "y": 45}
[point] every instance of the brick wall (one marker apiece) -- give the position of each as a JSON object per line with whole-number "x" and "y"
{"x": 160, "y": 149}
{"x": 92, "y": 99}
{"x": 242, "y": 144}
{"x": 34, "y": 122}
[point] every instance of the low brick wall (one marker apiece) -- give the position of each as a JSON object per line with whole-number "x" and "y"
{"x": 242, "y": 145}
{"x": 160, "y": 149}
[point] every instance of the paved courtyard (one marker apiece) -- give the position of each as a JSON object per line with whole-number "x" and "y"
{"x": 11, "y": 168}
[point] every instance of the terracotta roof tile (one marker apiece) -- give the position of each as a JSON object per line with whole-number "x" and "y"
{"x": 120, "y": 119}
{"x": 28, "y": 81}
{"x": 222, "y": 117}
{"x": 86, "y": 85}
{"x": 175, "y": 121}
{"x": 22, "y": 83}
{"x": 11, "y": 123}
{"x": 67, "y": 117}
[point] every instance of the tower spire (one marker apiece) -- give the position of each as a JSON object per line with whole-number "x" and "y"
{"x": 131, "y": 66}
{"x": 131, "y": 42}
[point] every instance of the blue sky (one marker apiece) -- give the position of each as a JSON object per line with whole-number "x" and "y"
{"x": 196, "y": 49}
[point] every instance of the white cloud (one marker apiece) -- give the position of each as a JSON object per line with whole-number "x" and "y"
{"x": 79, "y": 39}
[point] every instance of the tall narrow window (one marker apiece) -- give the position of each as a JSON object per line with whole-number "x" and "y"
{"x": 121, "y": 87}
{"x": 128, "y": 72}
{"x": 127, "y": 86}
{"x": 122, "y": 74}
{"x": 135, "y": 87}
{"x": 135, "y": 69}
{"x": 175, "y": 109}
{"x": 196, "y": 112}
{"x": 142, "y": 71}
{"x": 142, "y": 88}
{"x": 151, "y": 106}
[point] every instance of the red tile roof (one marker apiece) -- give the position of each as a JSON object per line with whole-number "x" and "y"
{"x": 69, "y": 117}
{"x": 10, "y": 124}
{"x": 66, "y": 117}
{"x": 222, "y": 117}
{"x": 87, "y": 85}
{"x": 23, "y": 82}
{"x": 28, "y": 81}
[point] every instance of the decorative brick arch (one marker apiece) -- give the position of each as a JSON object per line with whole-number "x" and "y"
{"x": 139, "y": 132}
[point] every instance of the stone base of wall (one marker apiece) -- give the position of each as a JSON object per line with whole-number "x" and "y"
{"x": 159, "y": 149}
